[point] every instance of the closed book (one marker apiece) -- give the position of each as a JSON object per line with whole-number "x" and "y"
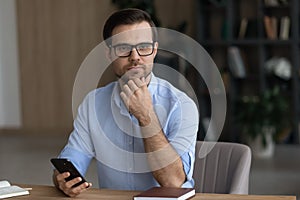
{"x": 236, "y": 63}
{"x": 243, "y": 28}
{"x": 166, "y": 193}
{"x": 271, "y": 27}
{"x": 284, "y": 28}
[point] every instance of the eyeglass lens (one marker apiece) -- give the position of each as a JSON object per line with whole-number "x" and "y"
{"x": 124, "y": 50}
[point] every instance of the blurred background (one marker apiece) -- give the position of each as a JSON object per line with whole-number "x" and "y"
{"x": 255, "y": 45}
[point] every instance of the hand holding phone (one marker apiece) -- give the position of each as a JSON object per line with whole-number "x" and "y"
{"x": 64, "y": 165}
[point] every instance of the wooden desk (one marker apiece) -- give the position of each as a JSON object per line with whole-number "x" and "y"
{"x": 50, "y": 192}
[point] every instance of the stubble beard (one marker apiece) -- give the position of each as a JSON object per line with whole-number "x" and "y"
{"x": 132, "y": 74}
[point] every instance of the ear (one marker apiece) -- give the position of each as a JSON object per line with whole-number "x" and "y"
{"x": 155, "y": 49}
{"x": 108, "y": 54}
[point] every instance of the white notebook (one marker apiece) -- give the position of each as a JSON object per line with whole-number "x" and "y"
{"x": 7, "y": 190}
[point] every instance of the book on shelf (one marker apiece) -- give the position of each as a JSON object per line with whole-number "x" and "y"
{"x": 284, "y": 28}
{"x": 275, "y": 26}
{"x": 271, "y": 27}
{"x": 271, "y": 3}
{"x": 248, "y": 28}
{"x": 166, "y": 193}
{"x": 274, "y": 3}
{"x": 243, "y": 28}
{"x": 7, "y": 190}
{"x": 236, "y": 63}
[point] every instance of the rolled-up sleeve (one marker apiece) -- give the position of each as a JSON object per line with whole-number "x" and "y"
{"x": 79, "y": 149}
{"x": 183, "y": 130}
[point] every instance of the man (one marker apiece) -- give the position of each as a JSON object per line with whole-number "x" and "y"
{"x": 141, "y": 129}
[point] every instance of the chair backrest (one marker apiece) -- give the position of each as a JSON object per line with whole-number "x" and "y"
{"x": 225, "y": 169}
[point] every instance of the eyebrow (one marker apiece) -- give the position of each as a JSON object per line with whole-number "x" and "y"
{"x": 131, "y": 44}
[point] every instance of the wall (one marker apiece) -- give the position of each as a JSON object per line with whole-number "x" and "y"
{"x": 10, "y": 111}
{"x": 55, "y": 36}
{"x": 172, "y": 12}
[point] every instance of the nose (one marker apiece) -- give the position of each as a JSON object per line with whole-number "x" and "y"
{"x": 134, "y": 55}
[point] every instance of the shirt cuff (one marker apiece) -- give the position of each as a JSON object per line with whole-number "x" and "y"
{"x": 188, "y": 161}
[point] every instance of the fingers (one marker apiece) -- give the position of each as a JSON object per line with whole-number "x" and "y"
{"x": 126, "y": 90}
{"x": 136, "y": 83}
{"x": 61, "y": 177}
{"x": 68, "y": 186}
{"x": 136, "y": 97}
{"x": 73, "y": 182}
{"x": 125, "y": 99}
{"x": 133, "y": 85}
{"x": 130, "y": 88}
{"x": 75, "y": 191}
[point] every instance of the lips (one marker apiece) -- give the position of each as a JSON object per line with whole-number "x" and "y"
{"x": 135, "y": 67}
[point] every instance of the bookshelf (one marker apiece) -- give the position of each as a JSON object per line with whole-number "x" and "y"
{"x": 261, "y": 31}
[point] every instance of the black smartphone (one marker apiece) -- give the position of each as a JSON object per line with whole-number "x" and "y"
{"x": 64, "y": 165}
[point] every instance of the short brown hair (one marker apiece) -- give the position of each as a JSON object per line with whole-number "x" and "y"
{"x": 126, "y": 17}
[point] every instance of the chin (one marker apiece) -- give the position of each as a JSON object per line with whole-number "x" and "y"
{"x": 132, "y": 74}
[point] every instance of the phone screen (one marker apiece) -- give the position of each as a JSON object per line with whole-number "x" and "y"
{"x": 64, "y": 165}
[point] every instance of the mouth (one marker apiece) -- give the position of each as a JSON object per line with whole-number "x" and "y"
{"x": 134, "y": 67}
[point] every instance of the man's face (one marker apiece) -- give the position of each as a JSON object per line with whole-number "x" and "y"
{"x": 134, "y": 65}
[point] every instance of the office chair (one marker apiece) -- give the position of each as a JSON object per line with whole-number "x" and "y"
{"x": 222, "y": 167}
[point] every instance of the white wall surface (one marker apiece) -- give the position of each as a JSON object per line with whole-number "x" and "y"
{"x": 10, "y": 109}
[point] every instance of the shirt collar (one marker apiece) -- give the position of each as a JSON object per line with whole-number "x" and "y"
{"x": 153, "y": 84}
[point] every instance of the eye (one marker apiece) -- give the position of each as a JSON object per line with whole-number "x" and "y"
{"x": 123, "y": 48}
{"x": 144, "y": 46}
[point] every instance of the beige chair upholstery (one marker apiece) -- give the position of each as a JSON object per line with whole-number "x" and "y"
{"x": 222, "y": 168}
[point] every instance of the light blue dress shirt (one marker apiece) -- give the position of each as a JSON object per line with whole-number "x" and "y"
{"x": 104, "y": 129}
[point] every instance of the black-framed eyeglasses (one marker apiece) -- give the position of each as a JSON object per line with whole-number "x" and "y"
{"x": 143, "y": 49}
